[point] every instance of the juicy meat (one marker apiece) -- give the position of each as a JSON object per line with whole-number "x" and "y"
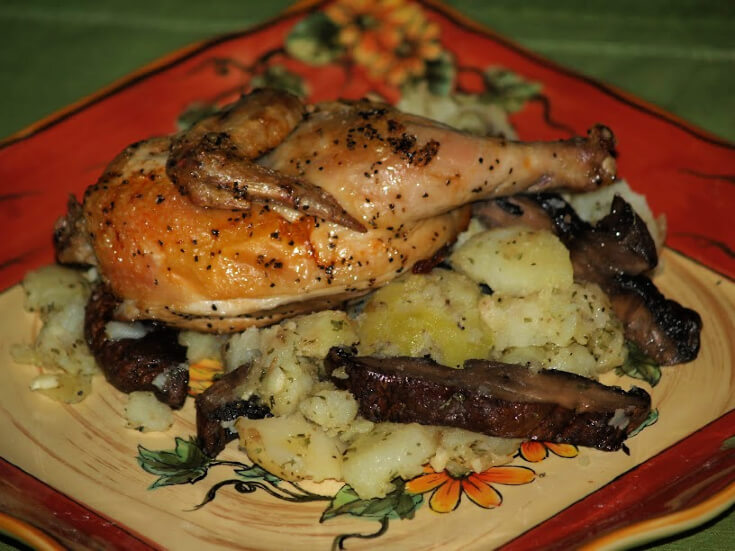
{"x": 615, "y": 254}
{"x": 154, "y": 362}
{"x": 265, "y": 205}
{"x": 503, "y": 400}
{"x": 221, "y": 403}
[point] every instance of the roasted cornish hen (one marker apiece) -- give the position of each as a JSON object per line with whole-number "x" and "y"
{"x": 271, "y": 208}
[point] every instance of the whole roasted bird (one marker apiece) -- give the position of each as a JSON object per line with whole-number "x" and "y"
{"x": 272, "y": 208}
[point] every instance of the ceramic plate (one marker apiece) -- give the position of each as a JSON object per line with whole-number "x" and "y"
{"x": 75, "y": 472}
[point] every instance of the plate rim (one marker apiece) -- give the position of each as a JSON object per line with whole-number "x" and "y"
{"x": 666, "y": 525}
{"x": 27, "y": 534}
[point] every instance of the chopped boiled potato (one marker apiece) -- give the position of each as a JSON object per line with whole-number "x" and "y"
{"x": 434, "y": 314}
{"x": 461, "y": 451}
{"x": 117, "y": 330}
{"x": 321, "y": 331}
{"x": 286, "y": 358}
{"x": 474, "y": 227}
{"x": 574, "y": 358}
{"x": 515, "y": 261}
{"x": 548, "y": 316}
{"x": 282, "y": 378}
{"x": 60, "y": 343}
{"x": 60, "y": 295}
{"x": 330, "y": 408}
{"x": 292, "y": 448}
{"x": 571, "y": 329}
{"x": 145, "y": 413}
{"x": 608, "y": 347}
{"x": 53, "y": 287}
{"x": 357, "y": 427}
{"x": 551, "y": 316}
{"x": 390, "y": 450}
{"x": 242, "y": 348}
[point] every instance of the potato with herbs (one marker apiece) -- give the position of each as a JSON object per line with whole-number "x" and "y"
{"x": 515, "y": 260}
{"x": 59, "y": 295}
{"x": 434, "y": 314}
{"x": 537, "y": 314}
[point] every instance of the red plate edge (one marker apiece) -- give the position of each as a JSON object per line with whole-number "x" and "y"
{"x": 649, "y": 491}
{"x": 71, "y": 523}
{"x": 704, "y": 446}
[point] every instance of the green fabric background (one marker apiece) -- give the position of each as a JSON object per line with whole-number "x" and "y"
{"x": 678, "y": 54}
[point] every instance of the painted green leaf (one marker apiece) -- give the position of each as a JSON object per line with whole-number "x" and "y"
{"x": 256, "y": 472}
{"x": 396, "y": 505}
{"x": 440, "y": 74}
{"x": 277, "y": 76}
{"x": 508, "y": 89}
{"x": 728, "y": 444}
{"x": 313, "y": 40}
{"x": 650, "y": 420}
{"x": 407, "y": 505}
{"x": 639, "y": 366}
{"x": 184, "y": 464}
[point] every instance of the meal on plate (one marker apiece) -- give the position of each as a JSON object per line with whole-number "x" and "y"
{"x": 363, "y": 290}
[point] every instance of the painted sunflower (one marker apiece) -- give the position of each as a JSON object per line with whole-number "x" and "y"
{"x": 392, "y": 39}
{"x": 202, "y": 375}
{"x": 538, "y": 451}
{"x": 448, "y": 489}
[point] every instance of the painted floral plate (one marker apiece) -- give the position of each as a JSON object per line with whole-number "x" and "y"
{"x": 76, "y": 473}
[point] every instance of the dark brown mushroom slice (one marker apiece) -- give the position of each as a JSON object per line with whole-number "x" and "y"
{"x": 616, "y": 254}
{"x": 619, "y": 243}
{"x": 155, "y": 362}
{"x": 493, "y": 398}
{"x": 221, "y": 403}
{"x": 663, "y": 329}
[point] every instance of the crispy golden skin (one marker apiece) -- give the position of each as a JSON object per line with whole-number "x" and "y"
{"x": 224, "y": 270}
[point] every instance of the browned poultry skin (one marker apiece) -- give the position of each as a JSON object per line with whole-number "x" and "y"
{"x": 387, "y": 168}
{"x": 213, "y": 163}
{"x": 224, "y": 247}
{"x": 223, "y": 270}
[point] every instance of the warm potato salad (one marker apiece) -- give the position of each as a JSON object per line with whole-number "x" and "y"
{"x": 59, "y": 296}
{"x": 506, "y": 294}
{"x": 510, "y": 296}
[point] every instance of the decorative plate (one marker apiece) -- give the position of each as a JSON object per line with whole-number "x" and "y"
{"x": 75, "y": 472}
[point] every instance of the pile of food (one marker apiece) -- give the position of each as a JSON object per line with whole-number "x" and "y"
{"x": 365, "y": 291}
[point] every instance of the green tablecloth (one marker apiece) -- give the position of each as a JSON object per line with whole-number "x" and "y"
{"x": 679, "y": 54}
